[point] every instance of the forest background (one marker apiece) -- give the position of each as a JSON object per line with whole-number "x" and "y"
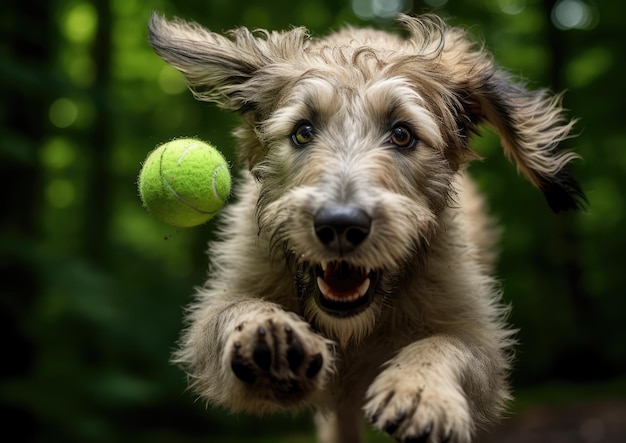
{"x": 92, "y": 287}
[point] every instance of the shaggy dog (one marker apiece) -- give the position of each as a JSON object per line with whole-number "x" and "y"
{"x": 353, "y": 273}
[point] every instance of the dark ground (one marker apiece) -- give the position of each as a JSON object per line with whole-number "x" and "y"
{"x": 590, "y": 422}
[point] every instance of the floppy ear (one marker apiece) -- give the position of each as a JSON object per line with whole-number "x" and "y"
{"x": 226, "y": 71}
{"x": 531, "y": 124}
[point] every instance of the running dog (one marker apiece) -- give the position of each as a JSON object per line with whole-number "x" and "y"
{"x": 354, "y": 270}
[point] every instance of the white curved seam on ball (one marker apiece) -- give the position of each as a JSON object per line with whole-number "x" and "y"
{"x": 171, "y": 189}
{"x": 184, "y": 153}
{"x": 213, "y": 182}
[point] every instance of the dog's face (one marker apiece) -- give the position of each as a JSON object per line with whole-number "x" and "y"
{"x": 353, "y": 180}
{"x": 356, "y": 141}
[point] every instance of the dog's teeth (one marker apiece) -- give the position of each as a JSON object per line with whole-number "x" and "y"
{"x": 324, "y": 265}
{"x": 324, "y": 288}
{"x": 347, "y": 298}
{"x": 362, "y": 290}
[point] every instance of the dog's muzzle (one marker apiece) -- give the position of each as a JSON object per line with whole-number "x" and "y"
{"x": 341, "y": 289}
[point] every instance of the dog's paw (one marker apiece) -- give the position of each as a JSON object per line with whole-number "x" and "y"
{"x": 279, "y": 358}
{"x": 413, "y": 407}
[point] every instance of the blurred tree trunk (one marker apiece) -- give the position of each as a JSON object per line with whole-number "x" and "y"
{"x": 98, "y": 195}
{"x": 567, "y": 241}
{"x": 27, "y": 40}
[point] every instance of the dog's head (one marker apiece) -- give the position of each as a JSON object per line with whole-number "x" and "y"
{"x": 356, "y": 140}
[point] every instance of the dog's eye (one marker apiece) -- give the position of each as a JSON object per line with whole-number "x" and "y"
{"x": 303, "y": 134}
{"x": 402, "y": 137}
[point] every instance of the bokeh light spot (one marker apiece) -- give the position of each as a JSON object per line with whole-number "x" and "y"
{"x": 63, "y": 113}
{"x": 60, "y": 193}
{"x": 573, "y": 14}
{"x": 512, "y": 7}
{"x": 81, "y": 23}
{"x": 370, "y": 9}
{"x": 58, "y": 153}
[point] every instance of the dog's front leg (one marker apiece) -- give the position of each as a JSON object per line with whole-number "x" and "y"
{"x": 253, "y": 355}
{"x": 433, "y": 391}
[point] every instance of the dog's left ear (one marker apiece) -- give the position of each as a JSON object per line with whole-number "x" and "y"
{"x": 531, "y": 124}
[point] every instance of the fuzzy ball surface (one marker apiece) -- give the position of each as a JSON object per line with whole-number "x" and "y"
{"x": 184, "y": 182}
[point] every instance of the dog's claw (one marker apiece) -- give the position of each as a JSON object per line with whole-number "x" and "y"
{"x": 374, "y": 417}
{"x": 427, "y": 431}
{"x": 423, "y": 438}
{"x": 392, "y": 426}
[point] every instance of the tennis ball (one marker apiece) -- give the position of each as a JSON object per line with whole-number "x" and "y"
{"x": 184, "y": 182}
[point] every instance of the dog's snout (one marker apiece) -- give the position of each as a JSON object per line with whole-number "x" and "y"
{"x": 342, "y": 228}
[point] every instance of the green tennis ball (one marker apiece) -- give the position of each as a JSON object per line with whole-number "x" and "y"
{"x": 184, "y": 182}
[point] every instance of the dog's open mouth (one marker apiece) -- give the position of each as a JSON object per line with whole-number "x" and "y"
{"x": 343, "y": 290}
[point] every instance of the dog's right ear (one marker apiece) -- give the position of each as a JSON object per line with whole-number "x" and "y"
{"x": 227, "y": 71}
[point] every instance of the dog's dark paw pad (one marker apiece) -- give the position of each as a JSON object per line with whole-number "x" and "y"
{"x": 240, "y": 368}
{"x": 278, "y": 359}
{"x": 315, "y": 366}
{"x": 262, "y": 353}
{"x": 295, "y": 350}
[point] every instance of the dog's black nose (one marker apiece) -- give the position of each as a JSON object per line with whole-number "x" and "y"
{"x": 342, "y": 228}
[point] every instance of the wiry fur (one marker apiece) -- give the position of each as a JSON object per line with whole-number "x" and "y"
{"x": 427, "y": 357}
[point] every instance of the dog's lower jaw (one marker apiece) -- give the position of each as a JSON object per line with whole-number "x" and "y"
{"x": 345, "y": 330}
{"x": 343, "y": 321}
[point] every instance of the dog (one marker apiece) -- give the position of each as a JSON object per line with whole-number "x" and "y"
{"x": 354, "y": 271}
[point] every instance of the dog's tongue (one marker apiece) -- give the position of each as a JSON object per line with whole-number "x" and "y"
{"x": 343, "y": 282}
{"x": 342, "y": 277}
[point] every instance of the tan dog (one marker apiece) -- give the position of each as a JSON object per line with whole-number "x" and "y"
{"x": 353, "y": 272}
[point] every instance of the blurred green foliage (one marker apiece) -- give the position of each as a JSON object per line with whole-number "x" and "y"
{"x": 93, "y": 288}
